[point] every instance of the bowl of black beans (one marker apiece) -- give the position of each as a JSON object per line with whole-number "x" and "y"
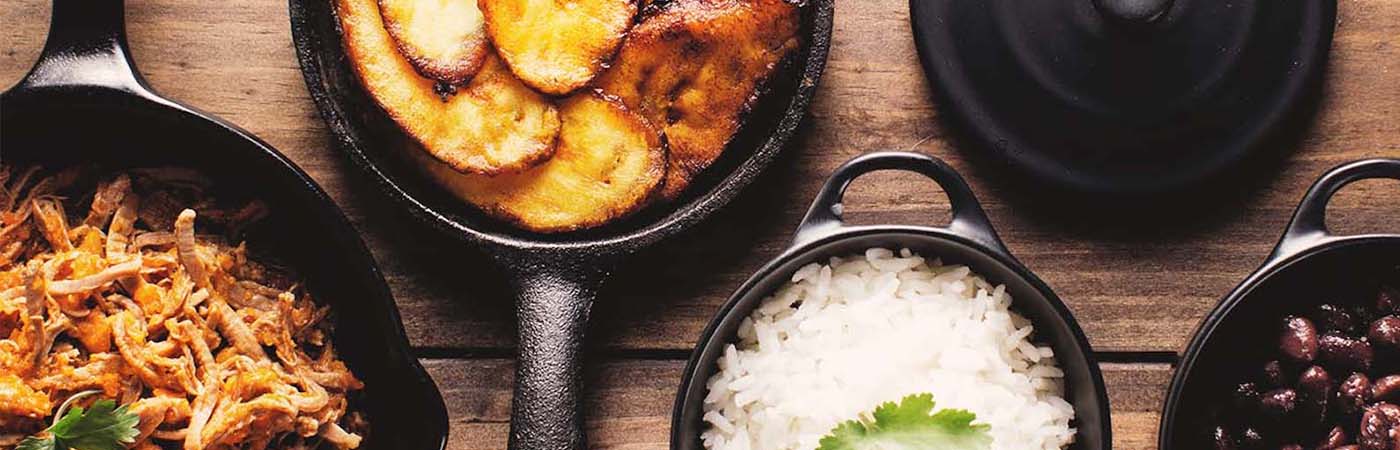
{"x": 1335, "y": 377}
{"x": 1305, "y": 353}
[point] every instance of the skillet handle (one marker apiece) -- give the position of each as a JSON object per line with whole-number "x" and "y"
{"x": 1309, "y": 224}
{"x": 969, "y": 221}
{"x": 554, "y": 294}
{"x": 86, "y": 46}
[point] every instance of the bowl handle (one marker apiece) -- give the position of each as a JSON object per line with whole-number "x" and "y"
{"x": 969, "y": 221}
{"x": 86, "y": 46}
{"x": 1309, "y": 224}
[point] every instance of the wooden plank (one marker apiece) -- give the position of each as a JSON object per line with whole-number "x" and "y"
{"x": 1140, "y": 288}
{"x": 629, "y": 403}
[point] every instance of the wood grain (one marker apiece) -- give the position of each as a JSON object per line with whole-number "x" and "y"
{"x": 629, "y": 402}
{"x": 1136, "y": 286}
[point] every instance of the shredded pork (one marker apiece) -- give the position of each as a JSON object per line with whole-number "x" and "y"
{"x": 208, "y": 348}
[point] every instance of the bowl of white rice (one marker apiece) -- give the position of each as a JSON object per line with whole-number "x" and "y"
{"x": 851, "y": 317}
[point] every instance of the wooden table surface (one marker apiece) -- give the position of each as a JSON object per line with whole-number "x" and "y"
{"x": 1138, "y": 290}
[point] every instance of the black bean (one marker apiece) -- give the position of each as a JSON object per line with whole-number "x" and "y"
{"x": 1388, "y": 300}
{"x": 1251, "y": 439}
{"x": 1315, "y": 383}
{"x": 1385, "y": 333}
{"x": 1389, "y": 410}
{"x": 1245, "y": 399}
{"x": 1221, "y": 438}
{"x": 1336, "y": 438}
{"x": 1275, "y": 374}
{"x": 1354, "y": 394}
{"x": 1376, "y": 424}
{"x": 1299, "y": 339}
{"x": 1345, "y": 353}
{"x": 1374, "y": 433}
{"x": 1386, "y": 389}
{"x": 1279, "y": 404}
{"x": 1331, "y": 318}
{"x": 1315, "y": 387}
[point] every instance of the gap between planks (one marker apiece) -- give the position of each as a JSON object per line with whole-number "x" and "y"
{"x": 662, "y": 354}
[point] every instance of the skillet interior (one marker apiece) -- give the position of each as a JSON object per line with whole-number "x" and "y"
{"x": 305, "y": 230}
{"x": 1245, "y": 334}
{"x": 1031, "y": 298}
{"x": 372, "y": 140}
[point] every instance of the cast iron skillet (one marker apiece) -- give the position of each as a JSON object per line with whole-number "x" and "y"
{"x": 556, "y": 277}
{"x": 83, "y": 102}
{"x": 1308, "y": 267}
{"x": 969, "y": 239}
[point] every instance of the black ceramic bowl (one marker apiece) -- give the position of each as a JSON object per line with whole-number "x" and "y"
{"x": 1309, "y": 267}
{"x": 84, "y": 103}
{"x": 969, "y": 239}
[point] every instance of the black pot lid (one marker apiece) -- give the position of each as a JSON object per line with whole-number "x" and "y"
{"x": 1122, "y": 97}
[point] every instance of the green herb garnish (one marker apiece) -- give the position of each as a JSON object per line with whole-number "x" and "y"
{"x": 103, "y": 427}
{"x": 910, "y": 425}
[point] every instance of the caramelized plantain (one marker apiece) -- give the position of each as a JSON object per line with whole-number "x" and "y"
{"x": 693, "y": 67}
{"x": 492, "y": 125}
{"x": 610, "y": 162}
{"x": 557, "y": 46}
{"x": 444, "y": 39}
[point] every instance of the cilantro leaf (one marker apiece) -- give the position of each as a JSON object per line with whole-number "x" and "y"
{"x": 910, "y": 425}
{"x": 34, "y": 443}
{"x": 103, "y": 427}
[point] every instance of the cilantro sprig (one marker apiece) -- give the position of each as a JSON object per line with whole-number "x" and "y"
{"x": 102, "y": 427}
{"x": 910, "y": 425}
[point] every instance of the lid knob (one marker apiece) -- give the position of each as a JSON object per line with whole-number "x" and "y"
{"x": 1133, "y": 12}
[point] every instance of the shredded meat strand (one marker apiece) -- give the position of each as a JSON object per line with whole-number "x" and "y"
{"x": 204, "y": 345}
{"x": 105, "y": 201}
{"x": 97, "y": 280}
{"x": 153, "y": 238}
{"x": 123, "y": 222}
{"x": 52, "y": 223}
{"x": 189, "y": 249}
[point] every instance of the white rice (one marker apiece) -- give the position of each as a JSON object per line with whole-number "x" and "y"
{"x": 844, "y": 337}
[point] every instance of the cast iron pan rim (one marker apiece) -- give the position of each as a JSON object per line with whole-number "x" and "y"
{"x": 955, "y": 95}
{"x": 818, "y": 44}
{"x": 770, "y": 269}
{"x": 1208, "y": 327}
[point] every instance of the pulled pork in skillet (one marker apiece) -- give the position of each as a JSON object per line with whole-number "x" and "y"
{"x": 209, "y": 349}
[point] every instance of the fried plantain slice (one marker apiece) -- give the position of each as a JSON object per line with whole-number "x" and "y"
{"x": 444, "y": 39}
{"x": 492, "y": 125}
{"x": 694, "y": 68}
{"x": 557, "y": 46}
{"x": 610, "y": 162}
